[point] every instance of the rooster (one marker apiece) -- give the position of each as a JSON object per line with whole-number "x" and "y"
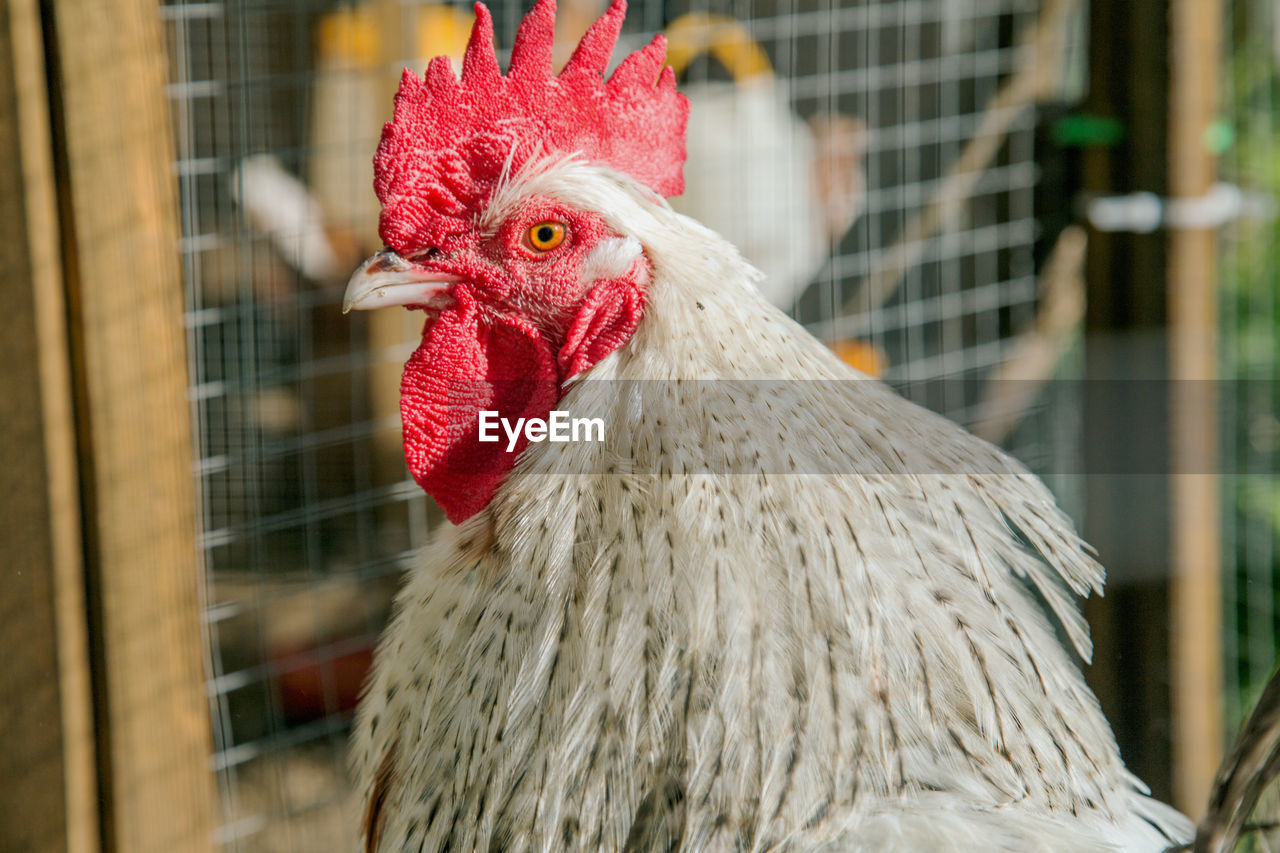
{"x": 776, "y": 607}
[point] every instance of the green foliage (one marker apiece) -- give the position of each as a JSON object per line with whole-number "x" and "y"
{"x": 1250, "y": 280}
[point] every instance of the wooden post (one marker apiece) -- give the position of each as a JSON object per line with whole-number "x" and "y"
{"x": 46, "y": 711}
{"x": 118, "y": 216}
{"x": 1152, "y": 317}
{"x": 1127, "y": 516}
{"x": 104, "y": 725}
{"x": 1195, "y": 528}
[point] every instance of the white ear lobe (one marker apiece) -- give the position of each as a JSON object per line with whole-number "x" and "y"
{"x": 612, "y": 257}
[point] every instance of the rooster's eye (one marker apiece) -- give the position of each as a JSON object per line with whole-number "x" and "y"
{"x": 545, "y": 236}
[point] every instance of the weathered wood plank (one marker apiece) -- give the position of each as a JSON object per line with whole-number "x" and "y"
{"x": 118, "y": 215}
{"x": 46, "y": 720}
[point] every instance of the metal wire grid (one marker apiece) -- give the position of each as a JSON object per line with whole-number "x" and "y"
{"x": 922, "y": 106}
{"x": 1251, "y": 360}
{"x": 301, "y": 540}
{"x": 922, "y": 76}
{"x": 306, "y": 525}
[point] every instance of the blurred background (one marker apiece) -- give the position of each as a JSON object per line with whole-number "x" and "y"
{"x": 1054, "y": 221}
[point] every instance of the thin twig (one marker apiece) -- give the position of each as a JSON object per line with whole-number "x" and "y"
{"x": 1262, "y": 826}
{"x": 1035, "y": 353}
{"x": 1245, "y": 773}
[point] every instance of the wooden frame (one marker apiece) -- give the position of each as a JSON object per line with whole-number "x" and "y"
{"x": 104, "y": 723}
{"x": 1195, "y": 529}
{"x": 1152, "y": 317}
{"x": 46, "y": 723}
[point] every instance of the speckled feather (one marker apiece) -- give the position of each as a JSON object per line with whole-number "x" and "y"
{"x": 631, "y": 660}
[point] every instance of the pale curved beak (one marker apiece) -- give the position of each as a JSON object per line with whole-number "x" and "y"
{"x": 387, "y": 279}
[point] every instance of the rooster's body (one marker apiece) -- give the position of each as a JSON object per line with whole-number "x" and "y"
{"x": 711, "y": 630}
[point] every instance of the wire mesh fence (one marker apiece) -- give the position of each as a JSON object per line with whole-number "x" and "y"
{"x": 876, "y": 158}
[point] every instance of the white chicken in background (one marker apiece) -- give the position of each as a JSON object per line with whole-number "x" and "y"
{"x": 280, "y": 206}
{"x": 783, "y": 190}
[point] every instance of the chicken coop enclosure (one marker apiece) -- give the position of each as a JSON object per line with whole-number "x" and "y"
{"x": 920, "y": 181}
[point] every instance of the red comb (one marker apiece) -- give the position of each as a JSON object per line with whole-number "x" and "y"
{"x": 446, "y": 147}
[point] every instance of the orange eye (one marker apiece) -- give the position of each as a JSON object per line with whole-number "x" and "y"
{"x": 545, "y": 236}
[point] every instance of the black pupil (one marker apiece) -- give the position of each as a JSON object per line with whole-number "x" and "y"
{"x": 546, "y": 233}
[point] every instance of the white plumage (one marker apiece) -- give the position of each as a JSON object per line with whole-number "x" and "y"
{"x": 668, "y": 640}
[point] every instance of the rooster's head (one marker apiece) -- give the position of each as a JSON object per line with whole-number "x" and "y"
{"x": 523, "y": 281}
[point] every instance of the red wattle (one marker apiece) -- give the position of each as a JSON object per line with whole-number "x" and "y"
{"x": 462, "y": 367}
{"x": 606, "y": 319}
{"x": 502, "y": 364}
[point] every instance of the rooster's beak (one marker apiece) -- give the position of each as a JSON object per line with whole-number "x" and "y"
{"x": 387, "y": 279}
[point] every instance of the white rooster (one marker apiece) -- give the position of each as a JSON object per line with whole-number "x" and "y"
{"x": 795, "y": 614}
